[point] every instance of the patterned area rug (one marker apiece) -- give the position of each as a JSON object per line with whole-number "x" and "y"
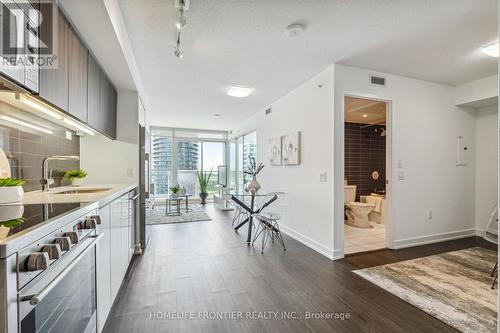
{"x": 454, "y": 287}
{"x": 158, "y": 215}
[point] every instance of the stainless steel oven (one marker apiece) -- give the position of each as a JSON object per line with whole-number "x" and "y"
{"x": 48, "y": 270}
{"x": 64, "y": 299}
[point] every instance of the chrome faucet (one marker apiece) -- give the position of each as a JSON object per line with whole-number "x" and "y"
{"x": 46, "y": 181}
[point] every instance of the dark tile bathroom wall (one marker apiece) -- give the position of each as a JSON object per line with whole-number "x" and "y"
{"x": 25, "y": 148}
{"x": 364, "y": 153}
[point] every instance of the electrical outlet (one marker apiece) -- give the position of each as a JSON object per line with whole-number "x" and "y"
{"x": 401, "y": 175}
{"x": 322, "y": 177}
{"x": 429, "y": 215}
{"x": 399, "y": 164}
{"x": 69, "y": 135}
{"x": 130, "y": 172}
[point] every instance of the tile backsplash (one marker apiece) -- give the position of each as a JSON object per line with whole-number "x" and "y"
{"x": 365, "y": 152}
{"x": 26, "y": 148}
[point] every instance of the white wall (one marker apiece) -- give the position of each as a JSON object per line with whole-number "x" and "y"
{"x": 114, "y": 161}
{"x": 308, "y": 108}
{"x": 486, "y": 163}
{"x": 425, "y": 125}
{"x": 475, "y": 91}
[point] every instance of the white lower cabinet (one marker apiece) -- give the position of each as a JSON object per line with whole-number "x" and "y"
{"x": 103, "y": 268}
{"x": 113, "y": 253}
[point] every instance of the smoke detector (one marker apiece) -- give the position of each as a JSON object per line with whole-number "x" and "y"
{"x": 294, "y": 30}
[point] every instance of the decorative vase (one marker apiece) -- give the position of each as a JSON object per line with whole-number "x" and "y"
{"x": 11, "y": 194}
{"x": 203, "y": 197}
{"x": 76, "y": 182}
{"x": 254, "y": 186}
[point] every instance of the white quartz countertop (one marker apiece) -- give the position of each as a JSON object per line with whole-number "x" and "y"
{"x": 104, "y": 193}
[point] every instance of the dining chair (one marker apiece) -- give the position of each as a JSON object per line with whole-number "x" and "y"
{"x": 490, "y": 235}
{"x": 267, "y": 226}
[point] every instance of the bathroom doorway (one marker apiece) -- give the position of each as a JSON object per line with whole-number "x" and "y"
{"x": 366, "y": 171}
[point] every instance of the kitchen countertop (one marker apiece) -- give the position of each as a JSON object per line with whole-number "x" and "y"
{"x": 102, "y": 198}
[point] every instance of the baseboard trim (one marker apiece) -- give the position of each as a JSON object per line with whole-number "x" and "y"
{"x": 310, "y": 243}
{"x": 436, "y": 238}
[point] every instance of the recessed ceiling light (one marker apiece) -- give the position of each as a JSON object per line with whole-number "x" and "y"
{"x": 239, "y": 91}
{"x": 491, "y": 50}
{"x": 365, "y": 115}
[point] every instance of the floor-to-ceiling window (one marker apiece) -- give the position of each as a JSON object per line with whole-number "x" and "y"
{"x": 241, "y": 149}
{"x": 213, "y": 156}
{"x": 177, "y": 155}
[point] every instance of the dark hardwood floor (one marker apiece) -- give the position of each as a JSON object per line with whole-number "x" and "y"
{"x": 207, "y": 267}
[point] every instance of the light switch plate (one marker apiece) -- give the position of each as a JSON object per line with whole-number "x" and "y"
{"x": 401, "y": 175}
{"x": 69, "y": 135}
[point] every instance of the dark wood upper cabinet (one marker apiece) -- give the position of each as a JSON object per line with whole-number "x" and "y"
{"x": 78, "y": 77}
{"x": 112, "y": 111}
{"x": 102, "y": 100}
{"x": 54, "y": 82}
{"x": 94, "y": 95}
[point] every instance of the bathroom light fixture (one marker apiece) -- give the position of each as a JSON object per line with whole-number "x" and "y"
{"x": 39, "y": 106}
{"x": 491, "y": 50}
{"x": 178, "y": 53}
{"x": 25, "y": 124}
{"x": 239, "y": 91}
{"x": 78, "y": 126}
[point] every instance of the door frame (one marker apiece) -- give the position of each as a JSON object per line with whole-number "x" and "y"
{"x": 339, "y": 155}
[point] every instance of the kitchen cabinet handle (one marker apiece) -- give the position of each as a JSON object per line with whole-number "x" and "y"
{"x": 37, "y": 298}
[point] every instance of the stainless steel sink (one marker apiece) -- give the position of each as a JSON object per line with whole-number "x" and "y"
{"x": 84, "y": 191}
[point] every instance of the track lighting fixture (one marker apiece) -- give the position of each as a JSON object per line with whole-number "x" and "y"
{"x": 181, "y": 21}
{"x": 178, "y": 52}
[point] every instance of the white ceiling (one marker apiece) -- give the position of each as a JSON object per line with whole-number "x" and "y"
{"x": 243, "y": 42}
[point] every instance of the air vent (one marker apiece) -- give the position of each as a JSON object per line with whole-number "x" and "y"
{"x": 268, "y": 111}
{"x": 377, "y": 80}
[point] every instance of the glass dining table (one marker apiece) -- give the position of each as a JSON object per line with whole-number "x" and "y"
{"x": 241, "y": 199}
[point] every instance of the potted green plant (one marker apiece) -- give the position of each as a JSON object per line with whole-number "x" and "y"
{"x": 75, "y": 176}
{"x": 203, "y": 180}
{"x": 175, "y": 190}
{"x": 11, "y": 190}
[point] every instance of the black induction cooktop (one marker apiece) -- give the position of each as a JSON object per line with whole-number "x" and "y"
{"x": 18, "y": 217}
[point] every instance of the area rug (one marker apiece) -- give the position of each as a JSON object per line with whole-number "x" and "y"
{"x": 454, "y": 287}
{"x": 158, "y": 216}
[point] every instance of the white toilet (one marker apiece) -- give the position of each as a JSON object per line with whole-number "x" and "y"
{"x": 357, "y": 212}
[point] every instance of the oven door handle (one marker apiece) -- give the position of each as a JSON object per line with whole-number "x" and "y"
{"x": 35, "y": 299}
